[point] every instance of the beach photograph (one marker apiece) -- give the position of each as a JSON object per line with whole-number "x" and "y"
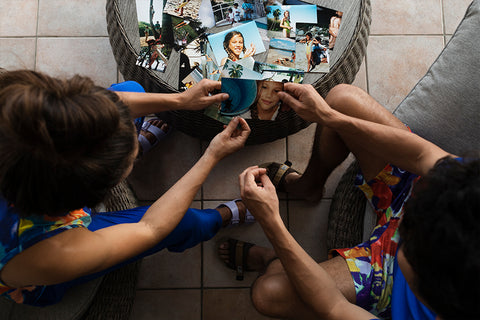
{"x": 282, "y": 52}
{"x": 183, "y": 8}
{"x": 281, "y": 20}
{"x": 311, "y": 51}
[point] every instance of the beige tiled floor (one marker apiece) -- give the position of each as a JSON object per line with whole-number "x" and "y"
{"x": 67, "y": 37}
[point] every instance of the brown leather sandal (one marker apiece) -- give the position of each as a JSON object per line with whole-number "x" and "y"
{"x": 277, "y": 173}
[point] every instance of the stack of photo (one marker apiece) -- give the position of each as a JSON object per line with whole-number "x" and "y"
{"x": 295, "y": 38}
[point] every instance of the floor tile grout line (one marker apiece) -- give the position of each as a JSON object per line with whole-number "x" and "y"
{"x": 444, "y": 27}
{"x": 36, "y": 37}
{"x": 287, "y": 199}
{"x": 406, "y": 34}
{"x": 192, "y": 288}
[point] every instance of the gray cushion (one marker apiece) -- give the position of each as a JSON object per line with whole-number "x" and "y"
{"x": 444, "y": 107}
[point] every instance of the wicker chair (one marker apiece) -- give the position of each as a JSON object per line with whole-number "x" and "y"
{"x": 107, "y": 297}
{"x": 443, "y": 108}
{"x": 346, "y": 60}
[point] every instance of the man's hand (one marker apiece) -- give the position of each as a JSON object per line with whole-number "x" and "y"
{"x": 259, "y": 194}
{"x": 231, "y": 139}
{"x": 306, "y": 102}
{"x": 198, "y": 97}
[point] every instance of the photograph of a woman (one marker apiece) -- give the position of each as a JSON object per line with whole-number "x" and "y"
{"x": 242, "y": 41}
{"x": 333, "y": 28}
{"x": 234, "y": 46}
{"x": 285, "y": 24}
{"x": 281, "y": 20}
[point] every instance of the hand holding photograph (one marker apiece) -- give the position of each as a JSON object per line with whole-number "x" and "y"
{"x": 251, "y": 99}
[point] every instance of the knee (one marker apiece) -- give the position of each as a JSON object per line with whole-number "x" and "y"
{"x": 342, "y": 95}
{"x": 269, "y": 295}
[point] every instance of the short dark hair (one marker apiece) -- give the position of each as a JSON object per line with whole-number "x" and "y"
{"x": 440, "y": 232}
{"x": 64, "y": 143}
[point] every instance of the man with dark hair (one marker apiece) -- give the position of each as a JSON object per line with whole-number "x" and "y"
{"x": 425, "y": 269}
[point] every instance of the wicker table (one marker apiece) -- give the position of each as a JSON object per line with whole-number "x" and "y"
{"x": 345, "y": 61}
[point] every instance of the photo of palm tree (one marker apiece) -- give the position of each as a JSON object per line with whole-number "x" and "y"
{"x": 281, "y": 20}
{"x": 235, "y": 70}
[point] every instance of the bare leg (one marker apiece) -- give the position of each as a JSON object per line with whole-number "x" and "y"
{"x": 330, "y": 148}
{"x": 273, "y": 294}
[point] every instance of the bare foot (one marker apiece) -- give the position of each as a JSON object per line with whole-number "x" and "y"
{"x": 258, "y": 258}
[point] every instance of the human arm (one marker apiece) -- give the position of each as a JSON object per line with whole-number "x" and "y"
{"x": 77, "y": 252}
{"x": 196, "y": 98}
{"x": 398, "y": 147}
{"x": 312, "y": 283}
{"x": 333, "y": 29}
{"x": 250, "y": 51}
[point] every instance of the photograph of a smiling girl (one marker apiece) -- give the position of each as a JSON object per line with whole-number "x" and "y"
{"x": 251, "y": 99}
{"x": 243, "y": 41}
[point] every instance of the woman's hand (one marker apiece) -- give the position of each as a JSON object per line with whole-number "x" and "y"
{"x": 250, "y": 51}
{"x": 231, "y": 139}
{"x": 198, "y": 97}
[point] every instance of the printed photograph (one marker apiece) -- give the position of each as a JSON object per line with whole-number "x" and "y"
{"x": 282, "y": 52}
{"x": 314, "y": 43}
{"x": 312, "y": 49}
{"x": 235, "y": 11}
{"x": 193, "y": 78}
{"x": 279, "y": 73}
{"x": 185, "y": 31}
{"x": 240, "y": 42}
{"x": 154, "y": 52}
{"x": 251, "y": 99}
{"x": 187, "y": 9}
{"x": 200, "y": 55}
{"x": 281, "y": 20}
{"x": 234, "y": 70}
{"x": 326, "y": 17}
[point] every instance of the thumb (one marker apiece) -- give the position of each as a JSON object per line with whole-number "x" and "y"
{"x": 266, "y": 182}
{"x": 232, "y": 125}
{"x": 216, "y": 98}
{"x": 289, "y": 100}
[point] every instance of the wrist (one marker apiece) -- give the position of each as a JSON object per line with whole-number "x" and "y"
{"x": 273, "y": 226}
{"x": 210, "y": 157}
{"x": 272, "y": 223}
{"x": 175, "y": 101}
